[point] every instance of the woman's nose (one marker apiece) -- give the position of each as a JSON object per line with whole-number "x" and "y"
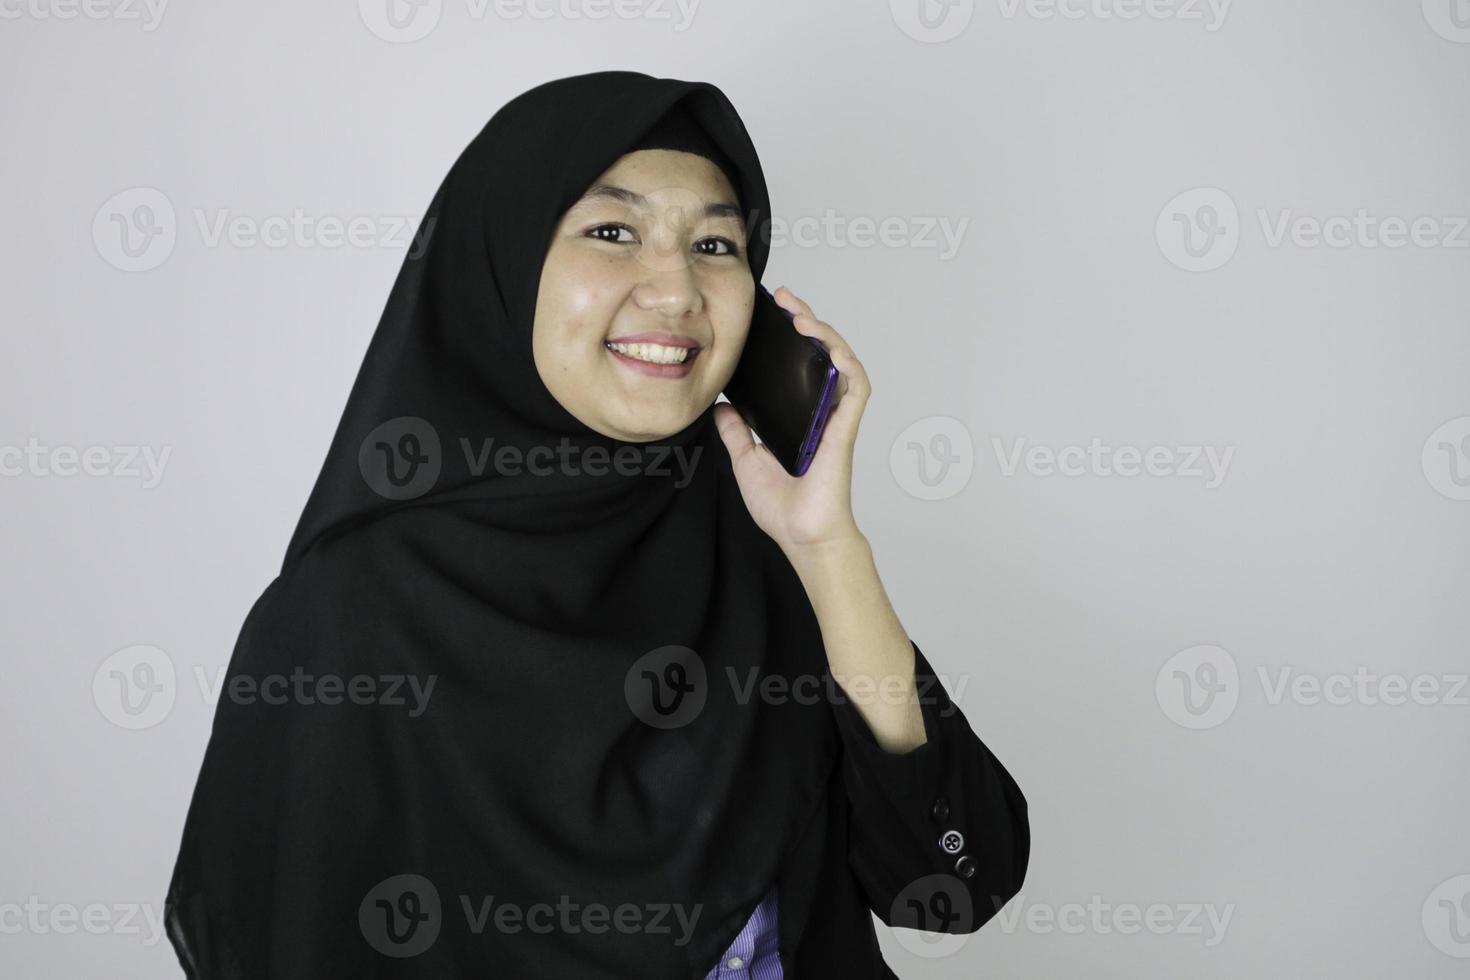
{"x": 670, "y": 291}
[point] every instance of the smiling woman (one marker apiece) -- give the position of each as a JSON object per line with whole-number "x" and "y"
{"x": 622, "y": 767}
{"x": 646, "y": 295}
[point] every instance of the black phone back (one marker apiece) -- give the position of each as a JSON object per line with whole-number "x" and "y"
{"x": 781, "y": 383}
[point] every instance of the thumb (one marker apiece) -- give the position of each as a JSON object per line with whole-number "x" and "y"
{"x": 733, "y": 430}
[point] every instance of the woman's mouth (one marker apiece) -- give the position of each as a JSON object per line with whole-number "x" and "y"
{"x": 670, "y": 357}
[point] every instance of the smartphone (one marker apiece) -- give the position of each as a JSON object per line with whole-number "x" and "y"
{"x": 784, "y": 385}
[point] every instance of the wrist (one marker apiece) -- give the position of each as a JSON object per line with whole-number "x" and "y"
{"x": 818, "y": 561}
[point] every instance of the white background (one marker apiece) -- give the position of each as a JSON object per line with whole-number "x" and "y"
{"x": 1335, "y": 376}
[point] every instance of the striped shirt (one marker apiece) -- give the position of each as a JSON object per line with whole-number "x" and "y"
{"x": 752, "y": 955}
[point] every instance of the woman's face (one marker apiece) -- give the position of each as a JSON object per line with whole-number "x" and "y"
{"x": 652, "y": 259}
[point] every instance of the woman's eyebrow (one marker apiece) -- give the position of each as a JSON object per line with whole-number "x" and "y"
{"x": 720, "y": 209}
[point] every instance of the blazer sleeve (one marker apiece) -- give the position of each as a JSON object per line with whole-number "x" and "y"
{"x": 938, "y": 837}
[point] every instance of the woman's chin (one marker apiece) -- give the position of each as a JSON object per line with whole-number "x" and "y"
{"x": 650, "y": 427}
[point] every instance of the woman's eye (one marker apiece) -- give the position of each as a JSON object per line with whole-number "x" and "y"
{"x": 612, "y": 233}
{"x": 711, "y": 246}
{"x": 609, "y": 233}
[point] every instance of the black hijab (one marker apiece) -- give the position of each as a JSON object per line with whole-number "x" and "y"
{"x": 589, "y": 629}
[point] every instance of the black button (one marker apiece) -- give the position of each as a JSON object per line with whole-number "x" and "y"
{"x": 941, "y": 809}
{"x": 965, "y": 866}
{"x": 952, "y": 842}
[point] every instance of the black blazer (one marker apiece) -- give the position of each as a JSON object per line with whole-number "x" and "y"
{"x": 936, "y": 838}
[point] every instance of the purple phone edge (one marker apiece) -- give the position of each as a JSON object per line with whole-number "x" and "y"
{"x": 819, "y": 417}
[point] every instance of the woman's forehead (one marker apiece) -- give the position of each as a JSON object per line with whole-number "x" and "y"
{"x": 645, "y": 172}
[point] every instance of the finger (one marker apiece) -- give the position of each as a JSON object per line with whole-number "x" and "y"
{"x": 842, "y": 355}
{"x": 738, "y": 439}
{"x": 853, "y": 384}
{"x": 809, "y": 326}
{"x": 850, "y": 368}
{"x": 733, "y": 429}
{"x": 842, "y": 423}
{"x": 791, "y": 302}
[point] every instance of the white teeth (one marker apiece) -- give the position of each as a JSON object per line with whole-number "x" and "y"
{"x": 654, "y": 353}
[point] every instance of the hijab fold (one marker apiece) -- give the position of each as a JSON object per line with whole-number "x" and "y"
{"x": 548, "y": 618}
